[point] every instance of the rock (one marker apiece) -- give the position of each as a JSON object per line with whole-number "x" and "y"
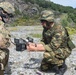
{"x": 28, "y": 63}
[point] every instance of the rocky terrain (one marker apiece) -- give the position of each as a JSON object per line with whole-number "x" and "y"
{"x": 27, "y": 63}
{"x": 25, "y": 8}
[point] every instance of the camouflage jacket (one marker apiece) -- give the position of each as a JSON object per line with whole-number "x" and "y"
{"x": 5, "y": 34}
{"x": 54, "y": 38}
{"x": 4, "y": 44}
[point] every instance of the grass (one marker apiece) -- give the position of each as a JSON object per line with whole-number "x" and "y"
{"x": 71, "y": 31}
{"x": 12, "y": 28}
{"x": 36, "y": 35}
{"x": 25, "y": 22}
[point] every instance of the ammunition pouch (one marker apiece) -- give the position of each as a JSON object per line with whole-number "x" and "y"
{"x": 69, "y": 41}
{"x": 70, "y": 44}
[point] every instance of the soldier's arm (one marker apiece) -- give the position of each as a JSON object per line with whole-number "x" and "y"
{"x": 35, "y": 47}
{"x": 2, "y": 54}
{"x": 56, "y": 40}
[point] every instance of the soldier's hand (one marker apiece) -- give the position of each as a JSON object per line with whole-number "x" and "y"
{"x": 31, "y": 46}
{"x": 35, "y": 47}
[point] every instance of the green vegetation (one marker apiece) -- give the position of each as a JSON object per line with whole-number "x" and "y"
{"x": 56, "y": 7}
{"x": 66, "y": 13}
{"x": 12, "y": 28}
{"x": 17, "y": 12}
{"x": 24, "y": 21}
{"x": 71, "y": 30}
{"x": 36, "y": 35}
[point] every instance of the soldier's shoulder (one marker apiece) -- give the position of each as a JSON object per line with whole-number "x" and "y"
{"x": 59, "y": 27}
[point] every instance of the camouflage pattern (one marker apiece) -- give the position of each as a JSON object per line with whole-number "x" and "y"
{"x": 47, "y": 15}
{"x": 4, "y": 38}
{"x": 5, "y": 35}
{"x": 55, "y": 43}
{"x": 7, "y": 7}
{"x": 4, "y": 44}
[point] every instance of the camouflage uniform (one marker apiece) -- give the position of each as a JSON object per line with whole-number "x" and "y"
{"x": 5, "y": 36}
{"x": 54, "y": 41}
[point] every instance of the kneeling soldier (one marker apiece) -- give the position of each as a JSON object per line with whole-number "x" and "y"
{"x": 55, "y": 43}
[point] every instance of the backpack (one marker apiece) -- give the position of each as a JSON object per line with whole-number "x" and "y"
{"x": 69, "y": 43}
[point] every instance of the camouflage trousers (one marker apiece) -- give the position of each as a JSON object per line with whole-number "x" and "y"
{"x": 4, "y": 55}
{"x": 1, "y": 72}
{"x": 52, "y": 58}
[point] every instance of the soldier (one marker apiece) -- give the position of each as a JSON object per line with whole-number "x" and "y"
{"x": 6, "y": 12}
{"x": 54, "y": 42}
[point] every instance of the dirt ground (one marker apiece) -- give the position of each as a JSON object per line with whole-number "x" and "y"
{"x": 28, "y": 63}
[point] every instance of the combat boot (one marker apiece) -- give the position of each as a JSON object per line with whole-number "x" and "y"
{"x": 61, "y": 69}
{"x": 57, "y": 71}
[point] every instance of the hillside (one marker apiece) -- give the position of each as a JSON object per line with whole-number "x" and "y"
{"x": 26, "y": 23}
{"x": 28, "y": 12}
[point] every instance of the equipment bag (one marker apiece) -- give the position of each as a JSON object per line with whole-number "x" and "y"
{"x": 70, "y": 43}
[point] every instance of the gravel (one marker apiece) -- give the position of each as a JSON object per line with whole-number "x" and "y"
{"x": 28, "y": 63}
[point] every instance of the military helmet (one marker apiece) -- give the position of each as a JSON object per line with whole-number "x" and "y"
{"x": 47, "y": 15}
{"x": 7, "y": 7}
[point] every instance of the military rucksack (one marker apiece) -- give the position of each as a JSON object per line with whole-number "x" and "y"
{"x": 69, "y": 43}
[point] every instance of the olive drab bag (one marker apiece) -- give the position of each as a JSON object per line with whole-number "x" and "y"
{"x": 70, "y": 43}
